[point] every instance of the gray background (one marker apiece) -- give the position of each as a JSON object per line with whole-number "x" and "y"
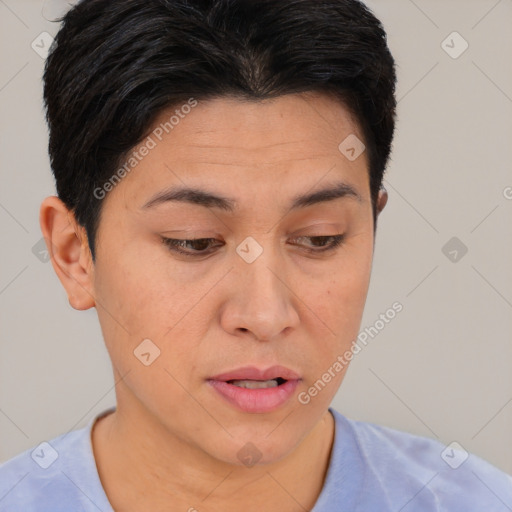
{"x": 440, "y": 369}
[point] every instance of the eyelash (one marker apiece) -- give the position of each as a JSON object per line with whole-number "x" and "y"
{"x": 176, "y": 245}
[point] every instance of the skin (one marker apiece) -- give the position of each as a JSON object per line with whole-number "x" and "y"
{"x": 217, "y": 312}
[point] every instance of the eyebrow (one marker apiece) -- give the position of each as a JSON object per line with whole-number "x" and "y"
{"x": 209, "y": 200}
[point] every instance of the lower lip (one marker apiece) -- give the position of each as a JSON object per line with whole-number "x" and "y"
{"x": 255, "y": 400}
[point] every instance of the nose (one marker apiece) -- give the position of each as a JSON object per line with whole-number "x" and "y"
{"x": 263, "y": 304}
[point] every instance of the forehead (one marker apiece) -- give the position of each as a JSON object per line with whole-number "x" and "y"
{"x": 253, "y": 145}
{"x": 279, "y": 126}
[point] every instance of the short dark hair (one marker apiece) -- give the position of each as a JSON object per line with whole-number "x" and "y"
{"x": 116, "y": 65}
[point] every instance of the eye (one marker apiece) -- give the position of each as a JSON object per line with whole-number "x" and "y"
{"x": 180, "y": 246}
{"x": 327, "y": 243}
{"x": 202, "y": 246}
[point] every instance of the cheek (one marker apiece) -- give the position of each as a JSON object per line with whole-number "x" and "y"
{"x": 139, "y": 301}
{"x": 125, "y": 300}
{"x": 129, "y": 282}
{"x": 145, "y": 296}
{"x": 338, "y": 306}
{"x": 338, "y": 313}
{"x": 343, "y": 295}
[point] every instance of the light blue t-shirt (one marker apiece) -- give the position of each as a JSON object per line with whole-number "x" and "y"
{"x": 372, "y": 468}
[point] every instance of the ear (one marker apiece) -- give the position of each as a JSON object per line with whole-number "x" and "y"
{"x": 382, "y": 199}
{"x": 69, "y": 251}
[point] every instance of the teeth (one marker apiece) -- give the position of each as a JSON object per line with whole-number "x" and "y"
{"x": 255, "y": 384}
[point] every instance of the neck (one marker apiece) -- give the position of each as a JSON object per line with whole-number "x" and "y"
{"x": 143, "y": 466}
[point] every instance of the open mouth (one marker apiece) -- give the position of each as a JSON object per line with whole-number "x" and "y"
{"x": 257, "y": 384}
{"x": 256, "y": 390}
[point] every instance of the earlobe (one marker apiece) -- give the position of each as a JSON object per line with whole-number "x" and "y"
{"x": 382, "y": 199}
{"x": 67, "y": 245}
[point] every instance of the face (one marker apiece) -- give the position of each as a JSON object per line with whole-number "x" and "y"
{"x": 273, "y": 281}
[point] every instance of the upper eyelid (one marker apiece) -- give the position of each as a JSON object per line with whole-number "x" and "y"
{"x": 213, "y": 239}
{"x": 337, "y": 237}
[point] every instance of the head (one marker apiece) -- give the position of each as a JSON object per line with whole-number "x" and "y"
{"x": 262, "y": 128}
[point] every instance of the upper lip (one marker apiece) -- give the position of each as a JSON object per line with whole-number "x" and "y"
{"x": 253, "y": 373}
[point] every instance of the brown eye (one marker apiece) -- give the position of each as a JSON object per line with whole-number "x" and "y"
{"x": 322, "y": 243}
{"x": 193, "y": 247}
{"x": 202, "y": 246}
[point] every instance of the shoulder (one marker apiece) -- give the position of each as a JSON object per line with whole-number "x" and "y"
{"x": 56, "y": 475}
{"x": 412, "y": 470}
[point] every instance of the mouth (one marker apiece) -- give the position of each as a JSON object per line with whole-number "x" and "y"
{"x": 257, "y": 384}
{"x": 256, "y": 391}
